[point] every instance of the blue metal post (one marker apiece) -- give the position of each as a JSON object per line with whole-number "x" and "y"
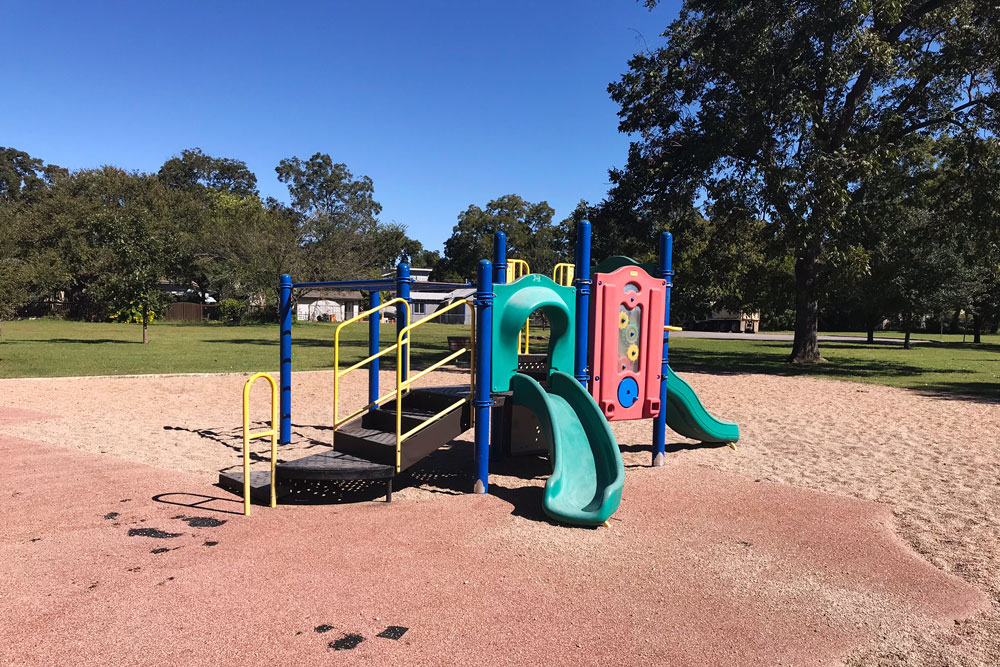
{"x": 499, "y": 258}
{"x": 373, "y": 347}
{"x": 582, "y": 283}
{"x": 285, "y": 357}
{"x": 482, "y": 401}
{"x": 665, "y": 272}
{"x": 403, "y": 292}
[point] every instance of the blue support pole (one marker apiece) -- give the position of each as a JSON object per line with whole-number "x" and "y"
{"x": 373, "y": 347}
{"x": 665, "y": 272}
{"x": 403, "y": 292}
{"x": 499, "y": 258}
{"x": 482, "y": 402}
{"x": 285, "y": 357}
{"x": 582, "y": 283}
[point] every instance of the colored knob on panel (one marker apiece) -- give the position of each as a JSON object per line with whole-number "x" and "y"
{"x": 633, "y": 352}
{"x": 622, "y": 320}
{"x": 628, "y": 392}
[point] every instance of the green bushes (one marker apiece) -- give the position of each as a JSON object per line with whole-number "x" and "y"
{"x": 232, "y": 311}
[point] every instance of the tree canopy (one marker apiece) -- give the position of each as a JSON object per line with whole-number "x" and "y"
{"x": 531, "y": 236}
{"x": 785, "y": 111}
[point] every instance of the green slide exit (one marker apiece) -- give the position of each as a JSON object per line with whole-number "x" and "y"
{"x": 585, "y": 487}
{"x": 687, "y": 416}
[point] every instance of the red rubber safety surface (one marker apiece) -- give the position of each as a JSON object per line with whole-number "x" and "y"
{"x": 696, "y": 568}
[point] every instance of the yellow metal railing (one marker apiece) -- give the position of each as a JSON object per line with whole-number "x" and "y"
{"x": 404, "y": 340}
{"x": 516, "y": 269}
{"x": 248, "y": 436}
{"x": 563, "y": 274}
{"x": 337, "y": 420}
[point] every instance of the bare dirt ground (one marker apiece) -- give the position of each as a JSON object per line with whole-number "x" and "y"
{"x": 721, "y": 558}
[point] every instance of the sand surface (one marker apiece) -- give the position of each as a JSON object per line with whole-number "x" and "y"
{"x": 822, "y": 578}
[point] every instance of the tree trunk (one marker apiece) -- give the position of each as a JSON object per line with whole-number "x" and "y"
{"x": 977, "y": 328}
{"x": 145, "y": 322}
{"x": 805, "y": 346}
{"x": 907, "y": 327}
{"x": 870, "y": 328}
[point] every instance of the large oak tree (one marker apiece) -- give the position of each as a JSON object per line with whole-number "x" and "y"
{"x": 787, "y": 108}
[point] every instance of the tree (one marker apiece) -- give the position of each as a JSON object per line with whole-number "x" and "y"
{"x": 531, "y": 236}
{"x": 23, "y": 177}
{"x": 339, "y": 230}
{"x": 792, "y": 106}
{"x": 130, "y": 229}
{"x": 195, "y": 171}
{"x": 244, "y": 246}
{"x": 23, "y": 180}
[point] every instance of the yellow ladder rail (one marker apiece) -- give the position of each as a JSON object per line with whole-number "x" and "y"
{"x": 248, "y": 436}
{"x": 402, "y": 340}
{"x": 517, "y": 269}
{"x": 563, "y": 273}
{"x": 392, "y": 303}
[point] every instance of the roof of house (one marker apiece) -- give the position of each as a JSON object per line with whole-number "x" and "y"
{"x": 333, "y": 294}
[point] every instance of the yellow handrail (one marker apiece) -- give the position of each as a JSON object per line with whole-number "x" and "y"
{"x": 563, "y": 273}
{"x": 670, "y": 328}
{"x": 248, "y": 436}
{"x": 517, "y": 269}
{"x": 336, "y": 358}
{"x": 404, "y": 339}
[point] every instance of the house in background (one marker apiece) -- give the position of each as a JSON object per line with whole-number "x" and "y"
{"x": 424, "y": 303}
{"x": 327, "y": 304}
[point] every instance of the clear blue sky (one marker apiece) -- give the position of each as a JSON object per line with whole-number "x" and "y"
{"x": 443, "y": 104}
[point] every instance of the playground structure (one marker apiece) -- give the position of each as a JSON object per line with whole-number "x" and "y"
{"x": 605, "y": 361}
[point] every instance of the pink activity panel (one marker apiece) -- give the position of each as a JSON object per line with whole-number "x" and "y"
{"x": 627, "y": 343}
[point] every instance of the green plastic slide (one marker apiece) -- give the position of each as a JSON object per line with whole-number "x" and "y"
{"x": 687, "y": 416}
{"x": 585, "y": 487}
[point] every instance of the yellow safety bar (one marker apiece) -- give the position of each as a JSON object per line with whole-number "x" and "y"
{"x": 562, "y": 274}
{"x": 337, "y": 421}
{"x": 516, "y": 269}
{"x": 670, "y": 328}
{"x": 401, "y": 384}
{"x": 248, "y": 436}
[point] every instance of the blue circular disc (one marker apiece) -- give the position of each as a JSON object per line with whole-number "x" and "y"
{"x": 628, "y": 392}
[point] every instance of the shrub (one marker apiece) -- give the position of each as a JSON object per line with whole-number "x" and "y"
{"x": 132, "y": 314}
{"x": 232, "y": 311}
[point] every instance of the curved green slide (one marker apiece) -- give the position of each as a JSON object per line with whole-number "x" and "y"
{"x": 585, "y": 487}
{"x": 687, "y": 416}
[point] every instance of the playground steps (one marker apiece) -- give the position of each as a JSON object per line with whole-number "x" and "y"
{"x": 327, "y": 465}
{"x": 365, "y": 448}
{"x": 373, "y": 435}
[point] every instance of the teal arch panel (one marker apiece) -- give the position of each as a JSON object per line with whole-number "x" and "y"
{"x": 512, "y": 305}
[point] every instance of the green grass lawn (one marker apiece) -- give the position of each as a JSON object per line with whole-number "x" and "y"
{"x": 48, "y": 347}
{"x": 39, "y": 348}
{"x": 949, "y": 367}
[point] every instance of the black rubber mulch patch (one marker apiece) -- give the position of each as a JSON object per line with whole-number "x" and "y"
{"x": 152, "y": 532}
{"x": 323, "y": 628}
{"x": 346, "y": 643}
{"x": 210, "y": 543}
{"x": 112, "y": 515}
{"x": 161, "y": 550}
{"x": 393, "y": 632}
{"x": 200, "y": 521}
